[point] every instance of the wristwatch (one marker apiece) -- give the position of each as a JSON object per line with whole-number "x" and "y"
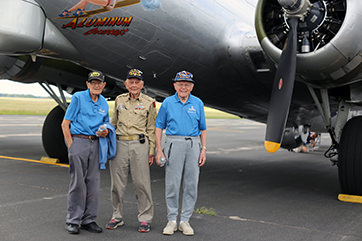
{"x": 204, "y": 147}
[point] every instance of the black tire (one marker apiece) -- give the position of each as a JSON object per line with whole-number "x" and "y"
{"x": 52, "y": 135}
{"x": 350, "y": 157}
{"x": 289, "y": 141}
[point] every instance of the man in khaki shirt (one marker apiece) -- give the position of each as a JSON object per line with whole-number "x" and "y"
{"x": 134, "y": 119}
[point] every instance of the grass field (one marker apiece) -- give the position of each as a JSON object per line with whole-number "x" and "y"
{"x": 34, "y": 106}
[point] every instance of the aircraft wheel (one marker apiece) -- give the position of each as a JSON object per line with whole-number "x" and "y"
{"x": 289, "y": 141}
{"x": 52, "y": 135}
{"x": 350, "y": 157}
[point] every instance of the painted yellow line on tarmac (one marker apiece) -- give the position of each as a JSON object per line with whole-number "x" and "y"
{"x": 350, "y": 198}
{"x": 36, "y": 161}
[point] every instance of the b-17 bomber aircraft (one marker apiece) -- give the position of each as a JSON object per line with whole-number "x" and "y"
{"x": 295, "y": 65}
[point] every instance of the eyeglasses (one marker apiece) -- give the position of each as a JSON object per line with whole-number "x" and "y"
{"x": 134, "y": 81}
{"x": 185, "y": 85}
{"x": 96, "y": 82}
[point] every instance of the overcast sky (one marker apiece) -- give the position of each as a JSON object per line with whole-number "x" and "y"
{"x": 12, "y": 87}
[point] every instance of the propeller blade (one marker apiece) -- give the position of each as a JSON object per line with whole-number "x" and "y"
{"x": 282, "y": 91}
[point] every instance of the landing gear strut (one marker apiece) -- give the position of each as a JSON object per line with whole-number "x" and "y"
{"x": 346, "y": 149}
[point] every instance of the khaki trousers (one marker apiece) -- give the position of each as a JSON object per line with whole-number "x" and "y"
{"x": 132, "y": 157}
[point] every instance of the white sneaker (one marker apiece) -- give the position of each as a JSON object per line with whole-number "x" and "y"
{"x": 186, "y": 228}
{"x": 170, "y": 228}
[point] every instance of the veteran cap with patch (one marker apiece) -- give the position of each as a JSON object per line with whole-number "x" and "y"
{"x": 135, "y": 73}
{"x": 95, "y": 75}
{"x": 184, "y": 76}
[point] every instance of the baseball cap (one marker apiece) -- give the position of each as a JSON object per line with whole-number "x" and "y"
{"x": 184, "y": 76}
{"x": 97, "y": 75}
{"x": 135, "y": 73}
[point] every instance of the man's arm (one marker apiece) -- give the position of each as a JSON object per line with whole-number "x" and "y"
{"x": 66, "y": 132}
{"x": 150, "y": 127}
{"x": 203, "y": 149}
{"x": 114, "y": 118}
{"x": 150, "y": 132}
{"x": 158, "y": 137}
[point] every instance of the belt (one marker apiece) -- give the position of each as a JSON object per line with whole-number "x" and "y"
{"x": 186, "y": 138}
{"x": 183, "y": 137}
{"x": 128, "y": 138}
{"x": 92, "y": 138}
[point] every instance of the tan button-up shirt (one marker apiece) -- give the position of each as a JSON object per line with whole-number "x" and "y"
{"x": 134, "y": 117}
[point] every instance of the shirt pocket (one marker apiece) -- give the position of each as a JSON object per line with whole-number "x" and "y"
{"x": 122, "y": 116}
{"x": 140, "y": 117}
{"x": 194, "y": 118}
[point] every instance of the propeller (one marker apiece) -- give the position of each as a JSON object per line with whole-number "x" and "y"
{"x": 282, "y": 90}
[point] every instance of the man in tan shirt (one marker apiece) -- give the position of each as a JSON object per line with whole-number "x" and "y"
{"x": 134, "y": 119}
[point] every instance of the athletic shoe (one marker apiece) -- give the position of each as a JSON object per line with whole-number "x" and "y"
{"x": 144, "y": 227}
{"x": 113, "y": 224}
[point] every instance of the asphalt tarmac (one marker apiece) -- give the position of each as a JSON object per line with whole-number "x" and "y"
{"x": 245, "y": 193}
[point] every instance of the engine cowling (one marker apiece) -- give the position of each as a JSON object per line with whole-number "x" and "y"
{"x": 31, "y": 32}
{"x": 329, "y": 40}
{"x": 21, "y": 33}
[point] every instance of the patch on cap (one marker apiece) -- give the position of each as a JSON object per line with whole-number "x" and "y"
{"x": 184, "y": 76}
{"x": 135, "y": 73}
{"x": 97, "y": 75}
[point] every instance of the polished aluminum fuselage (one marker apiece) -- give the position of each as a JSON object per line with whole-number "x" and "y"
{"x": 214, "y": 39}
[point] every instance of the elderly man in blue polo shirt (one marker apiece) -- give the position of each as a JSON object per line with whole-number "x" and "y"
{"x": 183, "y": 117}
{"x": 86, "y": 112}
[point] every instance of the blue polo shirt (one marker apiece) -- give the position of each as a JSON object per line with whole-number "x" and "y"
{"x": 181, "y": 119}
{"x": 86, "y": 115}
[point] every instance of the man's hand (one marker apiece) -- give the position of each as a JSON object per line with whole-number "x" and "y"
{"x": 70, "y": 144}
{"x": 103, "y": 133}
{"x": 159, "y": 155}
{"x": 151, "y": 158}
{"x": 202, "y": 158}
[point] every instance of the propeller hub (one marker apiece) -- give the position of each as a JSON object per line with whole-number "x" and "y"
{"x": 295, "y": 8}
{"x": 291, "y": 5}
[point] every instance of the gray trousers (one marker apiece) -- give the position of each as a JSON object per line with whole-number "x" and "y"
{"x": 182, "y": 154}
{"x": 132, "y": 156}
{"x": 84, "y": 181}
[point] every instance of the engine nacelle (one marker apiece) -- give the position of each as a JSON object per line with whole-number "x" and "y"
{"x": 31, "y": 32}
{"x": 329, "y": 40}
{"x": 21, "y": 33}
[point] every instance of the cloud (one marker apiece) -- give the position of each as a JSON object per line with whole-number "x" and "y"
{"x": 151, "y": 4}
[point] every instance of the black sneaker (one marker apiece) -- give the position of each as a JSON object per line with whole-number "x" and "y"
{"x": 92, "y": 227}
{"x": 113, "y": 224}
{"x": 144, "y": 227}
{"x": 72, "y": 228}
